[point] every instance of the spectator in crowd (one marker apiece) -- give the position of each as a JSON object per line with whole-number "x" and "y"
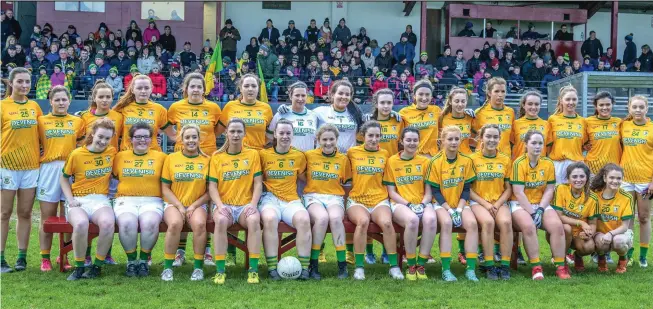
{"x": 560, "y": 62}
{"x": 72, "y": 33}
{"x": 404, "y": 48}
{"x": 607, "y": 58}
{"x": 269, "y": 33}
{"x": 488, "y": 32}
{"x": 473, "y": 65}
{"x": 53, "y": 55}
{"x": 496, "y": 70}
{"x": 362, "y": 36}
{"x": 270, "y": 67}
{"x": 293, "y": 35}
{"x": 508, "y": 62}
{"x": 150, "y": 32}
{"x": 361, "y": 91}
{"x": 322, "y": 87}
{"x": 516, "y": 81}
{"x": 480, "y": 89}
{"x": 36, "y": 34}
{"x": 532, "y": 34}
{"x": 368, "y": 61}
{"x": 592, "y": 47}
{"x": 622, "y": 67}
{"x": 423, "y": 64}
{"x": 208, "y": 50}
{"x": 115, "y": 81}
{"x": 252, "y": 48}
{"x": 379, "y": 82}
{"x": 536, "y": 74}
{"x": 146, "y": 61}
{"x": 546, "y": 52}
{"x": 512, "y": 33}
{"x": 468, "y": 32}
{"x": 492, "y": 54}
{"x": 637, "y": 67}
{"x": 39, "y": 60}
{"x": 384, "y": 61}
{"x": 356, "y": 68}
{"x": 217, "y": 90}
{"x": 602, "y": 68}
{"x": 342, "y": 32}
{"x": 312, "y": 72}
{"x": 102, "y": 68}
{"x": 402, "y": 65}
{"x": 58, "y": 77}
{"x": 460, "y": 65}
{"x": 9, "y": 56}
{"x": 412, "y": 38}
{"x": 446, "y": 62}
{"x": 81, "y": 66}
{"x": 10, "y": 26}
{"x": 645, "y": 58}
{"x": 229, "y": 36}
{"x": 283, "y": 48}
{"x": 563, "y": 35}
{"x": 335, "y": 69}
{"x": 230, "y": 91}
{"x": 325, "y": 31}
{"x": 188, "y": 57}
{"x": 312, "y": 32}
{"x": 159, "y": 86}
{"x": 168, "y": 41}
{"x": 576, "y": 66}
{"x": 587, "y": 66}
{"x": 630, "y": 53}
{"x": 133, "y": 71}
{"x": 553, "y": 76}
{"x": 102, "y": 33}
{"x": 568, "y": 71}
{"x": 43, "y": 83}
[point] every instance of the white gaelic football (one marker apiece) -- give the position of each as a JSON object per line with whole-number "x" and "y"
{"x": 289, "y": 268}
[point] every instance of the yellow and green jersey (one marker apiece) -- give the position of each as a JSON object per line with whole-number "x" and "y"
{"x": 280, "y": 172}
{"x": 59, "y": 136}
{"x": 256, "y": 116}
{"x": 390, "y": 134}
{"x": 186, "y": 176}
{"x": 20, "y": 135}
{"x": 520, "y": 127}
{"x": 426, "y": 121}
{"x": 450, "y": 176}
{"x": 151, "y": 113}
{"x": 138, "y": 175}
{"x": 91, "y": 170}
{"x": 205, "y": 115}
{"x": 604, "y": 136}
{"x": 325, "y": 174}
{"x": 503, "y": 117}
{"x": 612, "y": 212}
{"x": 116, "y": 117}
{"x": 582, "y": 207}
{"x": 465, "y": 125}
{"x": 534, "y": 179}
{"x": 567, "y": 137}
{"x": 491, "y": 175}
{"x": 408, "y": 176}
{"x": 234, "y": 174}
{"x": 637, "y": 158}
{"x": 367, "y": 175}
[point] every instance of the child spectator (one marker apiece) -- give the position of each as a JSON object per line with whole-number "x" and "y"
{"x": 410, "y": 78}
{"x": 361, "y": 91}
{"x": 479, "y": 75}
{"x": 218, "y": 88}
{"x": 70, "y": 78}
{"x": 115, "y": 81}
{"x": 312, "y": 72}
{"x": 356, "y": 68}
{"x": 230, "y": 91}
{"x": 551, "y": 77}
{"x": 335, "y": 69}
{"x": 102, "y": 68}
{"x": 158, "y": 83}
{"x": 481, "y": 87}
{"x": 288, "y": 79}
{"x": 245, "y": 60}
{"x": 58, "y": 78}
{"x": 322, "y": 87}
{"x": 43, "y": 84}
{"x": 175, "y": 89}
{"x": 568, "y": 72}
{"x": 379, "y": 82}
{"x": 403, "y": 88}
{"x": 346, "y": 72}
{"x": 587, "y": 65}
{"x": 516, "y": 82}
{"x": 393, "y": 82}
{"x": 88, "y": 80}
{"x": 401, "y": 65}
{"x": 133, "y": 71}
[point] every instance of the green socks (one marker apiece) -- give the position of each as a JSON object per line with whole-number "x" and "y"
{"x": 643, "y": 251}
{"x": 411, "y": 259}
{"x": 446, "y": 260}
{"x": 131, "y": 256}
{"x": 22, "y": 253}
{"x": 198, "y": 261}
{"x": 422, "y": 259}
{"x": 369, "y": 249}
{"x": 359, "y": 258}
{"x": 471, "y": 258}
{"x": 392, "y": 259}
{"x": 272, "y": 262}
{"x": 315, "y": 252}
{"x": 145, "y": 256}
{"x": 630, "y": 253}
{"x": 253, "y": 262}
{"x": 340, "y": 253}
{"x": 220, "y": 263}
{"x": 304, "y": 260}
{"x": 461, "y": 246}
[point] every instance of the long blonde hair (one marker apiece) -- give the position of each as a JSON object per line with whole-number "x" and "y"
{"x": 225, "y": 146}
{"x": 563, "y": 91}
{"x": 99, "y": 84}
{"x": 447, "y": 130}
{"x": 129, "y": 97}
{"x": 522, "y": 101}
{"x": 494, "y": 81}
{"x": 104, "y": 123}
{"x": 448, "y": 108}
{"x": 630, "y": 101}
{"x": 191, "y": 126}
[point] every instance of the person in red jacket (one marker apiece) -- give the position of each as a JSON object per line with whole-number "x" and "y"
{"x": 159, "y": 84}
{"x": 322, "y": 87}
{"x": 379, "y": 82}
{"x": 133, "y": 71}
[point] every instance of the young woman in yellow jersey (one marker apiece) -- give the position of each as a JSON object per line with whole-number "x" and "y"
{"x": 282, "y": 167}
{"x": 235, "y": 187}
{"x": 604, "y": 141}
{"x": 138, "y": 201}
{"x": 567, "y": 134}
{"x": 368, "y": 198}
{"x": 254, "y": 113}
{"x": 135, "y": 106}
{"x": 490, "y": 193}
{"x": 183, "y": 186}
{"x": 410, "y": 195}
{"x": 19, "y": 164}
{"x": 59, "y": 134}
{"x": 615, "y": 213}
{"x": 327, "y": 170}
{"x": 529, "y": 119}
{"x": 423, "y": 116}
{"x": 450, "y": 175}
{"x": 453, "y": 114}
{"x": 576, "y": 207}
{"x": 86, "y": 199}
{"x": 391, "y": 128}
{"x": 637, "y": 162}
{"x": 495, "y": 111}
{"x": 100, "y": 107}
{"x": 533, "y": 183}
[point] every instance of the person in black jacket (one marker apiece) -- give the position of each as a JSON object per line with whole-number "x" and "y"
{"x": 312, "y": 33}
{"x": 592, "y": 47}
{"x": 630, "y": 53}
{"x": 474, "y": 64}
{"x": 563, "y": 35}
{"x": 252, "y": 48}
{"x": 536, "y": 74}
{"x": 10, "y": 26}
{"x": 269, "y": 33}
{"x": 446, "y": 62}
{"x": 646, "y": 58}
{"x": 488, "y": 31}
{"x": 412, "y": 38}
{"x": 292, "y": 34}
{"x": 167, "y": 40}
{"x": 133, "y": 27}
{"x": 122, "y": 63}
{"x": 468, "y": 32}
{"x": 384, "y": 61}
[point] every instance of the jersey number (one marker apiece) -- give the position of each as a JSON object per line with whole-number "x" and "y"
{"x": 370, "y": 160}
{"x": 193, "y": 113}
{"x": 190, "y": 167}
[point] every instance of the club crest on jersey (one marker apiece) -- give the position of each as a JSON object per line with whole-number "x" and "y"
{"x": 310, "y": 122}
{"x": 70, "y": 124}
{"x": 108, "y": 158}
{"x": 336, "y": 166}
{"x": 292, "y": 163}
{"x": 430, "y": 115}
{"x": 150, "y": 162}
{"x": 542, "y": 173}
{"x": 394, "y": 128}
{"x": 33, "y": 112}
{"x": 500, "y": 166}
{"x": 614, "y": 125}
{"x": 6, "y": 180}
{"x": 419, "y": 168}
{"x": 151, "y": 113}
{"x": 615, "y": 209}
{"x": 205, "y": 113}
{"x": 246, "y": 162}
{"x": 382, "y": 161}
{"x": 260, "y": 113}
{"x": 200, "y": 166}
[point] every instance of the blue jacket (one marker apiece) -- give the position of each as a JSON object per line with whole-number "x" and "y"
{"x": 517, "y": 80}
{"x": 405, "y": 49}
{"x": 103, "y": 71}
{"x": 547, "y": 79}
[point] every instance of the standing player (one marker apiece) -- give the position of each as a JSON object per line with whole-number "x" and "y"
{"x": 390, "y": 127}
{"x": 138, "y": 203}
{"x": 304, "y": 120}
{"x": 568, "y": 133}
{"x": 490, "y": 193}
{"x": 615, "y": 211}
{"x": 495, "y": 111}
{"x": 282, "y": 167}
{"x": 576, "y": 207}
{"x": 235, "y": 188}
{"x": 529, "y": 119}
{"x": 342, "y": 113}
{"x": 637, "y": 162}
{"x": 454, "y": 114}
{"x": 604, "y": 141}
{"x": 19, "y": 164}
{"x": 423, "y": 116}
{"x": 411, "y": 201}
{"x": 533, "y": 183}
{"x": 183, "y": 186}
{"x": 327, "y": 171}
{"x": 100, "y": 107}
{"x": 451, "y": 174}
{"x": 59, "y": 134}
{"x": 86, "y": 199}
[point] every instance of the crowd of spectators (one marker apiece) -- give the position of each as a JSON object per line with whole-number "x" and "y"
{"x": 317, "y": 56}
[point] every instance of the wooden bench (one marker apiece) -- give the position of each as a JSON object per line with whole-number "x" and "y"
{"x": 60, "y": 225}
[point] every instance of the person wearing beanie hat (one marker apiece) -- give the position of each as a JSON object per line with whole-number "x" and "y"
{"x": 270, "y": 67}
{"x": 115, "y": 81}
{"x": 229, "y": 36}
{"x": 404, "y": 48}
{"x": 630, "y": 53}
{"x": 269, "y": 33}
{"x": 43, "y": 84}
{"x": 342, "y": 33}
{"x": 423, "y": 65}
{"x": 133, "y": 71}
{"x": 467, "y": 32}
{"x": 292, "y": 35}
{"x": 362, "y": 36}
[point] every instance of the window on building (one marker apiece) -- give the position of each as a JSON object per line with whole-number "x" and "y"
{"x": 79, "y": 6}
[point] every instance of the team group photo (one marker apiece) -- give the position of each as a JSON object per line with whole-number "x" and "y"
{"x": 481, "y": 158}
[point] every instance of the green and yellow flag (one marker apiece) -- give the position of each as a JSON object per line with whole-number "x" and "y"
{"x": 263, "y": 92}
{"x": 214, "y": 66}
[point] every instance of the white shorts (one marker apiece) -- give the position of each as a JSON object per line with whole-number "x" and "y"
{"x": 637, "y": 187}
{"x": 90, "y": 204}
{"x": 137, "y": 205}
{"x": 437, "y": 206}
{"x": 235, "y": 211}
{"x": 49, "y": 187}
{"x": 384, "y": 203}
{"x": 285, "y": 210}
{"x": 325, "y": 200}
{"x": 393, "y": 207}
{"x": 561, "y": 170}
{"x": 14, "y": 180}
{"x": 514, "y": 206}
{"x": 166, "y": 205}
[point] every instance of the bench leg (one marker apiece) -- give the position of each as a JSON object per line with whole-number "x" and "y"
{"x": 286, "y": 244}
{"x": 240, "y": 244}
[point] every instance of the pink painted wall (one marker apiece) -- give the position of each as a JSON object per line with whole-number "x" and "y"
{"x": 117, "y": 15}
